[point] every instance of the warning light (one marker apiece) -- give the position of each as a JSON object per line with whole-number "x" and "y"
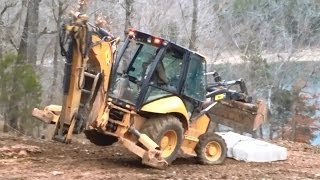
{"x": 131, "y": 33}
{"x": 156, "y": 41}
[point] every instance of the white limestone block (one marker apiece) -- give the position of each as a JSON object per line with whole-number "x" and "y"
{"x": 252, "y": 150}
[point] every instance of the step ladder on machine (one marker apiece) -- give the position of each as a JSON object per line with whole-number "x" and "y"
{"x": 89, "y": 91}
{"x": 63, "y": 133}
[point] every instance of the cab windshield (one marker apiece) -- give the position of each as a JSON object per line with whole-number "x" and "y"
{"x": 131, "y": 71}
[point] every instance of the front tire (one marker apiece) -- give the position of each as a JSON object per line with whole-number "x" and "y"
{"x": 211, "y": 149}
{"x": 167, "y": 132}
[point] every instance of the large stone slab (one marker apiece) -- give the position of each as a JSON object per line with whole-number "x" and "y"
{"x": 252, "y": 150}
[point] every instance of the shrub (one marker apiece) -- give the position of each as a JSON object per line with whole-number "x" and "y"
{"x": 20, "y": 92}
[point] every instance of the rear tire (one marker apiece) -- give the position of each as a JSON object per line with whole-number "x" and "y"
{"x": 211, "y": 149}
{"x": 100, "y": 139}
{"x": 167, "y": 132}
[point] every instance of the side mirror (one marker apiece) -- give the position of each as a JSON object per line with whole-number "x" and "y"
{"x": 216, "y": 77}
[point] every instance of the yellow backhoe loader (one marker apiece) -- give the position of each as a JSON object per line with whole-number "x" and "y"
{"x": 151, "y": 96}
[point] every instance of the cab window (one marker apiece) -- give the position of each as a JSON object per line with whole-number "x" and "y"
{"x": 195, "y": 79}
{"x": 167, "y": 75}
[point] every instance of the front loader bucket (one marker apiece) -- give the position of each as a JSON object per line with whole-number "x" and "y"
{"x": 243, "y": 117}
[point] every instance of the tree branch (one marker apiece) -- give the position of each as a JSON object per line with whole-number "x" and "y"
{"x": 45, "y": 31}
{"x": 13, "y": 44}
{"x": 54, "y": 4}
{"x": 6, "y": 7}
{"x": 184, "y": 20}
{"x": 122, "y": 6}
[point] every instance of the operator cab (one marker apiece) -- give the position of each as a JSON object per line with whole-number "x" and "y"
{"x": 149, "y": 68}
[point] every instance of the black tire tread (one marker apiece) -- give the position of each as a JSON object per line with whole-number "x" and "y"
{"x": 100, "y": 139}
{"x": 153, "y": 128}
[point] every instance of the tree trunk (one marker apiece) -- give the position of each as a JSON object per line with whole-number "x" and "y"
{"x": 1, "y": 39}
{"x": 271, "y": 130}
{"x": 282, "y": 130}
{"x": 1, "y": 36}
{"x": 294, "y": 128}
{"x": 55, "y": 68}
{"x": 271, "y": 112}
{"x": 193, "y": 36}
{"x": 22, "y": 51}
{"x": 29, "y": 38}
{"x": 10, "y": 118}
{"x": 33, "y": 16}
{"x": 128, "y": 7}
{"x": 5, "y": 124}
{"x": 56, "y": 52}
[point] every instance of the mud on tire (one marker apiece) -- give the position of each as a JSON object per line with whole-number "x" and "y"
{"x": 211, "y": 149}
{"x": 167, "y": 132}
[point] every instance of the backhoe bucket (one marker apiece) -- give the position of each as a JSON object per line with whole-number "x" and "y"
{"x": 243, "y": 117}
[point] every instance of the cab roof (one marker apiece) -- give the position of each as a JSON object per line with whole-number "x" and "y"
{"x": 157, "y": 41}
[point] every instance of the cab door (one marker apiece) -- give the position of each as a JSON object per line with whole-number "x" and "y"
{"x": 194, "y": 86}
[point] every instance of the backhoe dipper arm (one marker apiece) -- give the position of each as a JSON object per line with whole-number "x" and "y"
{"x": 77, "y": 56}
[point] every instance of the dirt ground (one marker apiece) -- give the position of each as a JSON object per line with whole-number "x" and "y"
{"x": 43, "y": 159}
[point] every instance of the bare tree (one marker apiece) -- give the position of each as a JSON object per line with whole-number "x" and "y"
{"x": 193, "y": 37}
{"x": 6, "y": 7}
{"x": 129, "y": 10}
{"x": 58, "y": 9}
{"x": 28, "y": 45}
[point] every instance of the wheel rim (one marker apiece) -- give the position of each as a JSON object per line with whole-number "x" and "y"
{"x": 213, "y": 151}
{"x": 168, "y": 143}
